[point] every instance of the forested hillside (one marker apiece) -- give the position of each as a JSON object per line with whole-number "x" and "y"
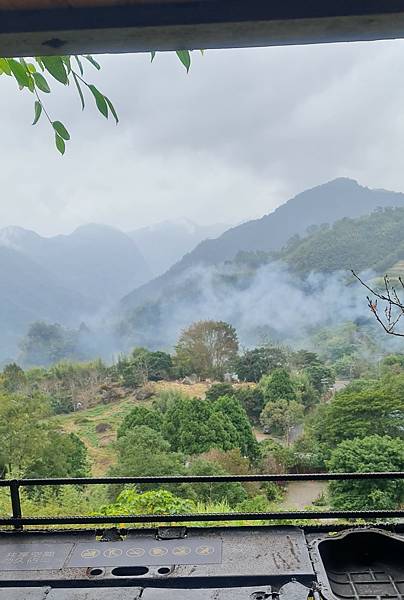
{"x": 373, "y": 242}
{"x": 281, "y": 412}
{"x": 325, "y": 203}
{"x": 282, "y": 295}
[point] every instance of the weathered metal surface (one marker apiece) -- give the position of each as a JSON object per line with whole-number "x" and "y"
{"x": 121, "y": 593}
{"x": 194, "y": 551}
{"x": 33, "y": 556}
{"x": 236, "y": 553}
{"x": 244, "y": 593}
{"x": 24, "y": 593}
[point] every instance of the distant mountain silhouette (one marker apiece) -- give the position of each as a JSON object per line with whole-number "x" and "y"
{"x": 97, "y": 262}
{"x": 30, "y": 293}
{"x": 325, "y": 203}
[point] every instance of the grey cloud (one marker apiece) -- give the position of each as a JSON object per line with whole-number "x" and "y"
{"x": 244, "y": 131}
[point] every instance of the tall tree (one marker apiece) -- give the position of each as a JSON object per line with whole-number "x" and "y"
{"x": 207, "y": 348}
{"x": 372, "y": 453}
{"x": 278, "y": 386}
{"x": 255, "y": 363}
{"x": 23, "y": 429}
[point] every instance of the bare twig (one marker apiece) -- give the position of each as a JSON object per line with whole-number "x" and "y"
{"x": 394, "y": 309}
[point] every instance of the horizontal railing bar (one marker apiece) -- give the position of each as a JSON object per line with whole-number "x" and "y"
{"x": 203, "y": 478}
{"x": 184, "y": 518}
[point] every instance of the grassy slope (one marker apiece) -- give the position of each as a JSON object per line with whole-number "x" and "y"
{"x": 100, "y": 445}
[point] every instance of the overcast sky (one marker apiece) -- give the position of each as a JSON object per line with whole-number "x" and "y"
{"x": 239, "y": 135}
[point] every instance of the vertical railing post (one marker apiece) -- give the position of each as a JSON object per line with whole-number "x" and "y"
{"x": 16, "y": 502}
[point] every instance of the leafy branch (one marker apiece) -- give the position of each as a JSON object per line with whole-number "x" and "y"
{"x": 32, "y": 74}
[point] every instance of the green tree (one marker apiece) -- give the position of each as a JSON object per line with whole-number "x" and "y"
{"x": 231, "y": 407}
{"x": 140, "y": 415}
{"x": 60, "y": 455}
{"x": 13, "y": 378}
{"x": 280, "y": 416}
{"x": 255, "y": 363}
{"x": 372, "y": 453}
{"x": 159, "y": 502}
{"x": 193, "y": 426}
{"x": 219, "y": 389}
{"x": 321, "y": 377}
{"x": 23, "y": 428}
{"x": 252, "y": 399}
{"x": 144, "y": 452}
{"x": 232, "y": 493}
{"x": 355, "y": 414}
{"x": 160, "y": 366}
{"x": 46, "y": 343}
{"x": 207, "y": 348}
{"x": 306, "y": 393}
{"x": 278, "y": 386}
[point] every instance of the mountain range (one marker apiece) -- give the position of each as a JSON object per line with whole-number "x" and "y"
{"x": 98, "y": 271}
{"x": 325, "y": 203}
{"x": 280, "y": 295}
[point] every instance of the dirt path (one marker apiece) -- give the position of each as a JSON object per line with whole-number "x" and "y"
{"x": 300, "y": 494}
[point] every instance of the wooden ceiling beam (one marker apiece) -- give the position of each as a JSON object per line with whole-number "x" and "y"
{"x": 37, "y": 27}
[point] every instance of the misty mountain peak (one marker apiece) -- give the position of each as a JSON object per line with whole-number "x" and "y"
{"x": 325, "y": 203}
{"x": 15, "y": 236}
{"x": 96, "y": 230}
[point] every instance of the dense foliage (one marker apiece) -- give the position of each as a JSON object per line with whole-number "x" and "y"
{"x": 207, "y": 348}
{"x": 307, "y": 425}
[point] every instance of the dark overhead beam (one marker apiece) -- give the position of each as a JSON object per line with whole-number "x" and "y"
{"x": 169, "y": 25}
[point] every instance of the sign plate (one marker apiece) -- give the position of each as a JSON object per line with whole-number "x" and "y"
{"x": 33, "y": 557}
{"x": 196, "y": 551}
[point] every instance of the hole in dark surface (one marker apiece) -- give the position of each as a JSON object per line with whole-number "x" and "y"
{"x": 364, "y": 564}
{"x": 96, "y": 572}
{"x": 129, "y": 571}
{"x": 163, "y": 570}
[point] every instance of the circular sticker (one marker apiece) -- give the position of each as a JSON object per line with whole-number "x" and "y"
{"x": 135, "y": 552}
{"x": 181, "y": 550}
{"x": 205, "y": 550}
{"x": 158, "y": 551}
{"x": 112, "y": 552}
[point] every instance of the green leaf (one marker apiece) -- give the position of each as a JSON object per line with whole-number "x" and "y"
{"x": 38, "y": 111}
{"x": 79, "y": 63}
{"x": 153, "y": 54}
{"x": 92, "y": 61}
{"x": 76, "y": 81}
{"x": 55, "y": 66}
{"x": 100, "y": 101}
{"x": 31, "y": 84}
{"x": 67, "y": 62}
{"x": 41, "y": 82}
{"x": 61, "y": 130}
{"x": 31, "y": 68}
{"x": 5, "y": 67}
{"x": 112, "y": 109}
{"x": 19, "y": 72}
{"x": 60, "y": 144}
{"x": 185, "y": 58}
{"x": 40, "y": 63}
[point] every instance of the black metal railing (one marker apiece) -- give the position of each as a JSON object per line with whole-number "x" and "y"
{"x": 17, "y": 520}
